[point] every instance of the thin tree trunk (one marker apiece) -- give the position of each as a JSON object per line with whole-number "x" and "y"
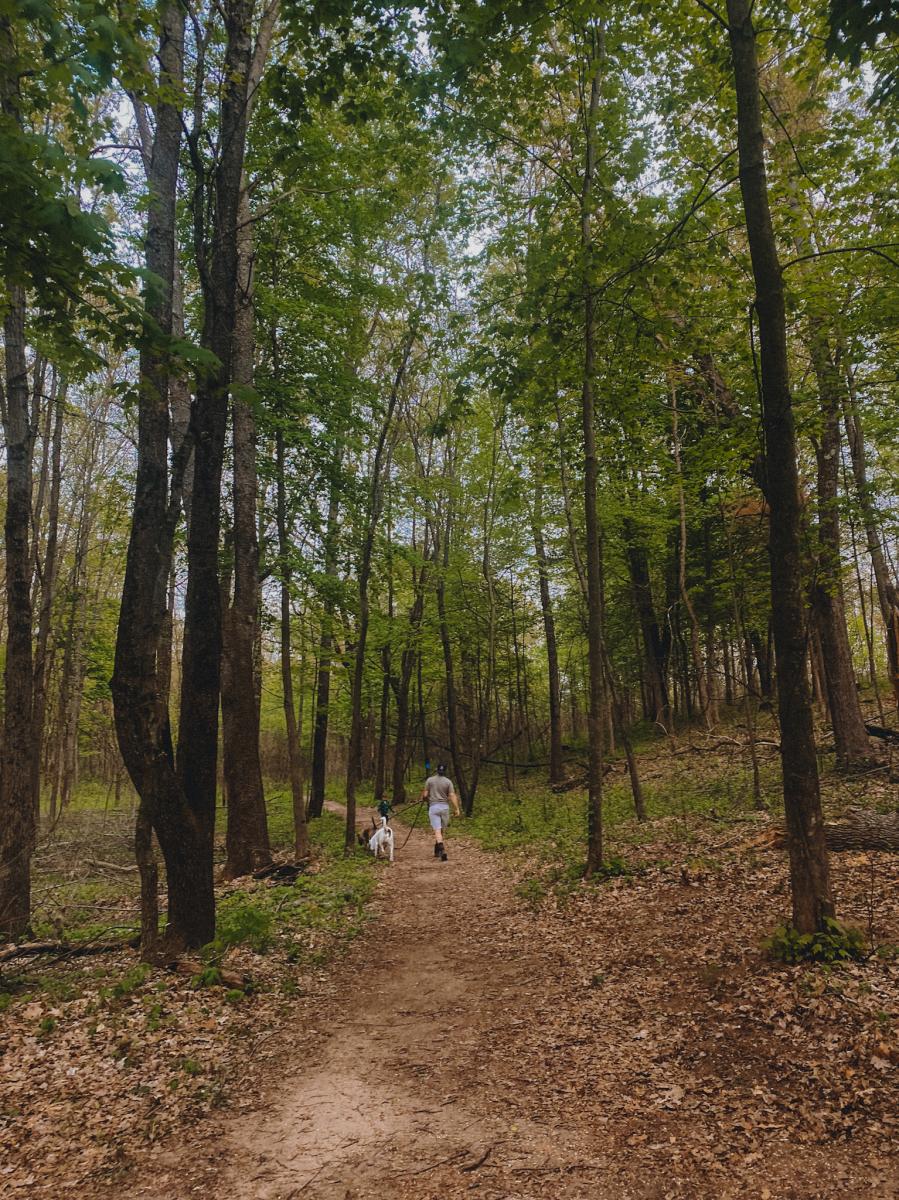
{"x": 556, "y": 766}
{"x": 49, "y": 572}
{"x": 294, "y": 754}
{"x": 375, "y": 505}
{"x": 326, "y": 645}
{"x": 853, "y": 751}
{"x": 655, "y": 645}
{"x": 887, "y": 594}
{"x": 466, "y": 796}
{"x": 699, "y": 670}
{"x": 591, "y": 473}
{"x": 809, "y": 869}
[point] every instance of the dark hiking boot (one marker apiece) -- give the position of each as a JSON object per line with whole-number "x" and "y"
{"x": 437, "y": 849}
{"x": 443, "y": 855}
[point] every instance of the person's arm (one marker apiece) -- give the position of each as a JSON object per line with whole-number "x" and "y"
{"x": 454, "y": 801}
{"x": 424, "y": 792}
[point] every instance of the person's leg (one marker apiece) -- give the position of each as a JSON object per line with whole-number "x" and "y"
{"x": 437, "y": 826}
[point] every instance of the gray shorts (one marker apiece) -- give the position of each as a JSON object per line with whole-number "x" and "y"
{"x": 439, "y": 815}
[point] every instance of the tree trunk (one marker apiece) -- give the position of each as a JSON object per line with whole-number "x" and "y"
{"x": 699, "y": 671}
{"x": 140, "y": 704}
{"x": 49, "y": 572}
{"x": 887, "y": 594}
{"x": 294, "y": 754}
{"x": 591, "y": 473}
{"x": 460, "y": 775}
{"x": 809, "y": 869}
{"x": 191, "y": 893}
{"x": 402, "y": 690}
{"x": 17, "y": 798}
{"x": 556, "y": 767}
{"x": 655, "y": 647}
{"x": 375, "y": 505}
{"x": 246, "y": 839}
{"x": 853, "y": 751}
{"x": 325, "y": 646}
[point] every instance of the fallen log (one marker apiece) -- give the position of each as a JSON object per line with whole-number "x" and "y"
{"x": 61, "y": 949}
{"x": 579, "y": 781}
{"x": 878, "y": 731}
{"x": 860, "y": 829}
{"x": 102, "y": 865}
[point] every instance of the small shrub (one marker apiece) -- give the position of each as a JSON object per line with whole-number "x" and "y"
{"x": 833, "y": 943}
{"x": 240, "y": 923}
{"x": 615, "y": 867}
{"x": 210, "y": 976}
{"x": 155, "y": 1016}
{"x": 130, "y": 981}
{"x": 531, "y": 891}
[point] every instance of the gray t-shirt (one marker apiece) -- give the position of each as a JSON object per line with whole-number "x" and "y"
{"x": 439, "y": 789}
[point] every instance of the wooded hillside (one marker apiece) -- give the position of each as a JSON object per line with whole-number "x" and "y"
{"x": 509, "y": 386}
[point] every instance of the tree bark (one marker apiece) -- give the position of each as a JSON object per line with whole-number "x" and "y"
{"x": 809, "y": 869}
{"x": 656, "y": 647}
{"x": 326, "y": 644}
{"x": 591, "y": 474}
{"x": 246, "y": 840}
{"x": 140, "y": 703}
{"x": 49, "y": 572}
{"x": 294, "y": 754}
{"x": 556, "y": 767}
{"x": 190, "y": 885}
{"x": 887, "y": 593}
{"x": 460, "y": 775}
{"x": 853, "y": 751}
{"x": 17, "y": 798}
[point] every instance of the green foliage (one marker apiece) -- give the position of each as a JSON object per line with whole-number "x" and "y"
{"x": 131, "y": 981}
{"x": 209, "y": 977}
{"x": 834, "y": 943}
{"x": 240, "y": 921}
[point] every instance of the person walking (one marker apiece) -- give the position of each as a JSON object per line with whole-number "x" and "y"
{"x": 440, "y": 794}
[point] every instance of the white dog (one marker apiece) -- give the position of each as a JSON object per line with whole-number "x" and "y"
{"x": 381, "y": 841}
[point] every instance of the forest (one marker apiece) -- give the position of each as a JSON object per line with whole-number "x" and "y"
{"x": 503, "y": 385}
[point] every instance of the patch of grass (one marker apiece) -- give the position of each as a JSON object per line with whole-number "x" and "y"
{"x": 310, "y": 919}
{"x": 133, "y": 979}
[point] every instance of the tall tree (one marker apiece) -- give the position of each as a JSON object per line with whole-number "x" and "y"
{"x": 809, "y": 869}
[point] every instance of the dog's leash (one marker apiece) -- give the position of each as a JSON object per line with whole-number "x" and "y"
{"x": 414, "y": 823}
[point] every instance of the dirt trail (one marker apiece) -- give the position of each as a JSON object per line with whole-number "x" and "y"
{"x": 627, "y": 1045}
{"x": 396, "y": 1100}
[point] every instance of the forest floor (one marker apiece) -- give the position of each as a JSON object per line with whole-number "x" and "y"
{"x": 501, "y": 1029}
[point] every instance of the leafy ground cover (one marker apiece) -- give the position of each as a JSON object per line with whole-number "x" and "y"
{"x": 647, "y": 1007}
{"x": 103, "y": 1054}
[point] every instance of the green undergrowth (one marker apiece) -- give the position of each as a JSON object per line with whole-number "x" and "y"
{"x": 548, "y": 830}
{"x": 309, "y": 920}
{"x": 287, "y": 926}
{"x": 833, "y": 944}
